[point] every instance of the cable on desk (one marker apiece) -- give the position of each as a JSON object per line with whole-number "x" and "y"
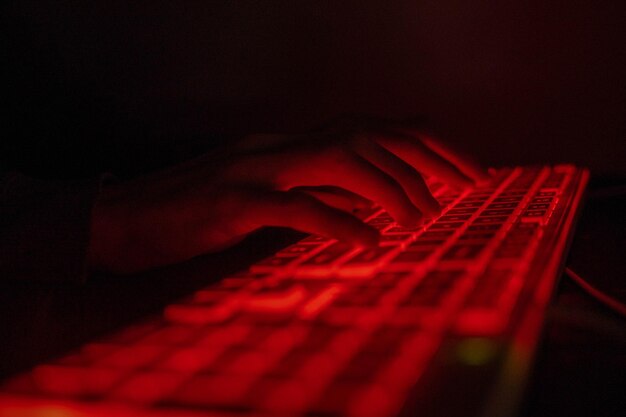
{"x": 600, "y": 296}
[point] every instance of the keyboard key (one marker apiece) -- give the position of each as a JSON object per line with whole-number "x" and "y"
{"x": 75, "y": 381}
{"x": 190, "y": 359}
{"x": 213, "y": 391}
{"x": 412, "y": 257}
{"x": 421, "y": 244}
{"x": 508, "y": 199}
{"x": 436, "y": 234}
{"x": 315, "y": 239}
{"x": 279, "y": 396}
{"x": 493, "y": 219}
{"x": 133, "y": 356}
{"x": 370, "y": 256}
{"x": 402, "y": 229}
{"x": 483, "y": 237}
{"x": 456, "y": 211}
{"x": 454, "y": 225}
{"x": 484, "y": 227}
{"x": 463, "y": 252}
{"x": 201, "y": 314}
{"x": 328, "y": 255}
{"x": 498, "y": 212}
{"x": 298, "y": 249}
{"x": 502, "y": 206}
{"x": 274, "y": 262}
{"x": 276, "y": 299}
{"x": 468, "y": 204}
{"x": 395, "y": 239}
{"x": 319, "y": 302}
{"x": 454, "y": 218}
{"x": 148, "y": 387}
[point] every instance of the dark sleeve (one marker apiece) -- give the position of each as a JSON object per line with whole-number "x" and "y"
{"x": 44, "y": 227}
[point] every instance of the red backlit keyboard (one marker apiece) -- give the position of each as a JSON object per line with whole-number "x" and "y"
{"x": 322, "y": 328}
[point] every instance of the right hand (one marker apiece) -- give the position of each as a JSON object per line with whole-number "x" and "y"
{"x": 308, "y": 182}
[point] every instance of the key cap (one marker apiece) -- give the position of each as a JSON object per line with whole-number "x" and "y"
{"x": 395, "y": 239}
{"x": 274, "y": 262}
{"x": 494, "y": 219}
{"x": 213, "y": 391}
{"x": 484, "y": 227}
{"x": 319, "y": 302}
{"x": 328, "y": 255}
{"x": 493, "y": 206}
{"x": 434, "y": 234}
{"x": 448, "y": 226}
{"x": 411, "y": 257}
{"x": 456, "y": 211}
{"x": 366, "y": 261}
{"x": 297, "y": 249}
{"x": 133, "y": 356}
{"x": 280, "y": 299}
{"x": 508, "y": 199}
{"x": 421, "y": 244}
{"x": 201, "y": 314}
{"x": 315, "y": 239}
{"x": 463, "y": 252}
{"x": 454, "y": 218}
{"x": 468, "y": 204}
{"x": 279, "y": 396}
{"x": 148, "y": 387}
{"x": 75, "y": 382}
{"x": 190, "y": 359}
{"x": 483, "y": 237}
{"x": 498, "y": 212}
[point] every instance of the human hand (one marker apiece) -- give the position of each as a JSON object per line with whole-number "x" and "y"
{"x": 308, "y": 182}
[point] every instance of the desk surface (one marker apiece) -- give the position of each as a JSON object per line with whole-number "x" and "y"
{"x": 581, "y": 365}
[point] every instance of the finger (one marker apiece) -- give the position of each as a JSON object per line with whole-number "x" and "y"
{"x": 465, "y": 163}
{"x": 336, "y": 166}
{"x": 346, "y": 169}
{"x": 414, "y": 127}
{"x": 305, "y": 213}
{"x": 338, "y": 198}
{"x": 408, "y": 177}
{"x": 423, "y": 158}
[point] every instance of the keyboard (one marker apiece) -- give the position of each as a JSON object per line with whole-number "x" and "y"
{"x": 439, "y": 319}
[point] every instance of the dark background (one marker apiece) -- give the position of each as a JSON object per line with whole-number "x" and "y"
{"x": 512, "y": 82}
